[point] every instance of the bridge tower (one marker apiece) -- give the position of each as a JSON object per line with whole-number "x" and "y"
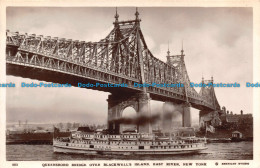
{"x": 140, "y": 101}
{"x": 177, "y": 61}
{"x": 209, "y": 116}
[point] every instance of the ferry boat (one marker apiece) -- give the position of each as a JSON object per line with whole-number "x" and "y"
{"x": 127, "y": 144}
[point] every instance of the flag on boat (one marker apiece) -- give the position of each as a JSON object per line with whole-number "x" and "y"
{"x": 55, "y": 131}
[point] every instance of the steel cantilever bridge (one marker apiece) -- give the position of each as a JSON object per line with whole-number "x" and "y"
{"x": 121, "y": 57}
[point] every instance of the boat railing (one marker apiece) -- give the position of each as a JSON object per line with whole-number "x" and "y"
{"x": 136, "y": 137}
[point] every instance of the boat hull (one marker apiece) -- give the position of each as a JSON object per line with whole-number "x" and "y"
{"x": 90, "y": 152}
{"x": 79, "y": 150}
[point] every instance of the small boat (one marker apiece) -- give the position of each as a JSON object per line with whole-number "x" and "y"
{"x": 219, "y": 140}
{"x": 236, "y": 139}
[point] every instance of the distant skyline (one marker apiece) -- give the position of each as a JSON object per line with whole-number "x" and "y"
{"x": 217, "y": 42}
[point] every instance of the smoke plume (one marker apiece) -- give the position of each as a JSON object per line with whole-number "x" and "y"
{"x": 138, "y": 120}
{"x": 143, "y": 119}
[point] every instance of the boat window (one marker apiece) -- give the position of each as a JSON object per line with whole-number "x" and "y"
{"x": 141, "y": 147}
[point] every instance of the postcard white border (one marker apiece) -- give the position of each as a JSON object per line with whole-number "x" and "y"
{"x": 112, "y": 3}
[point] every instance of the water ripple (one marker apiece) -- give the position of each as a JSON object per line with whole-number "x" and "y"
{"x": 215, "y": 151}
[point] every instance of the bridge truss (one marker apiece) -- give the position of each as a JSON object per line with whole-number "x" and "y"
{"x": 121, "y": 57}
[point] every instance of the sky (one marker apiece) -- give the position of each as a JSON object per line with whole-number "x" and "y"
{"x": 217, "y": 42}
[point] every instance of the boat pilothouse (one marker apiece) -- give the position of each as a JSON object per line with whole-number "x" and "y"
{"x": 127, "y": 143}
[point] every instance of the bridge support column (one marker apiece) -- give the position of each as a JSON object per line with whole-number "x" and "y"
{"x": 168, "y": 110}
{"x": 144, "y": 108}
{"x": 113, "y": 112}
{"x": 117, "y": 103}
{"x": 186, "y": 115}
{"x": 202, "y": 116}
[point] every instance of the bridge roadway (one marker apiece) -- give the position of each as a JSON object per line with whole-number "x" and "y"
{"x": 32, "y": 71}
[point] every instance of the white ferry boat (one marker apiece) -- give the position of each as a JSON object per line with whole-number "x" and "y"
{"x": 130, "y": 143}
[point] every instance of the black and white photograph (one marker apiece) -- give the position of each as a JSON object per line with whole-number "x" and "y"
{"x": 129, "y": 83}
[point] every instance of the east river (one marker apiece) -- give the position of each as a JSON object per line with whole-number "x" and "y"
{"x": 215, "y": 151}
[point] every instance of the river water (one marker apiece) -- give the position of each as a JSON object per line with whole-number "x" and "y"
{"x": 215, "y": 151}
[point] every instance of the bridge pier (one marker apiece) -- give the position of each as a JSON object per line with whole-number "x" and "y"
{"x": 117, "y": 103}
{"x": 169, "y": 110}
{"x": 144, "y": 108}
{"x": 186, "y": 116}
{"x": 202, "y": 114}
